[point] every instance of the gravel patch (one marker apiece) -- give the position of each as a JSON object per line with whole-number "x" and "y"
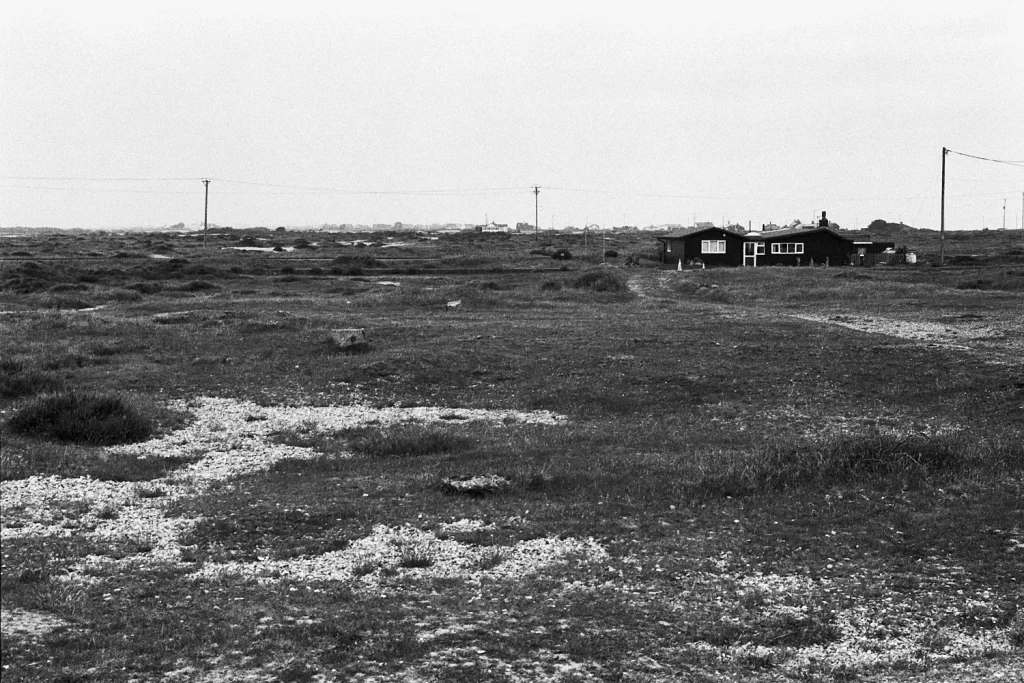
{"x": 228, "y": 438}
{"x": 374, "y": 560}
{"x": 997, "y": 340}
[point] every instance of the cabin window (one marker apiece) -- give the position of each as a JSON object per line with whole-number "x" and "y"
{"x": 759, "y": 248}
{"x": 712, "y": 246}
{"x": 788, "y": 248}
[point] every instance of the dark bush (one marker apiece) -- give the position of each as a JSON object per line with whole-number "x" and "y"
{"x": 145, "y": 287}
{"x": 561, "y": 254}
{"x": 83, "y": 417}
{"x": 611, "y": 253}
{"x": 363, "y": 260}
{"x": 68, "y": 302}
{"x": 551, "y": 285}
{"x": 602, "y": 280}
{"x": 288, "y": 270}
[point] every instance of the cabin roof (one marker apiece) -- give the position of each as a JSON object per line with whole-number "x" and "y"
{"x": 689, "y": 232}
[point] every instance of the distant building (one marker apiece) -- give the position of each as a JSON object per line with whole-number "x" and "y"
{"x": 493, "y": 227}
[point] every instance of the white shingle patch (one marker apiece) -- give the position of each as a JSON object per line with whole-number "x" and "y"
{"x": 367, "y": 560}
{"x": 228, "y": 438}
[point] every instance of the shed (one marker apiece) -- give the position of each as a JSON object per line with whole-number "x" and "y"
{"x": 713, "y": 246}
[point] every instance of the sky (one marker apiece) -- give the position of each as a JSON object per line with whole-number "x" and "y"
{"x": 303, "y": 114}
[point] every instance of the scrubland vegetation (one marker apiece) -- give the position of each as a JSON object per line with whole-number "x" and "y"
{"x": 585, "y": 471}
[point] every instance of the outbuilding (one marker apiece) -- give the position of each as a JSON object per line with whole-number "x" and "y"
{"x": 711, "y": 246}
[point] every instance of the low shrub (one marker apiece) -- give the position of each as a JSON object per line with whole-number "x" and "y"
{"x": 408, "y": 440}
{"x": 602, "y": 280}
{"x": 83, "y": 417}
{"x": 352, "y": 264}
{"x": 905, "y": 461}
{"x": 412, "y": 558}
{"x": 144, "y": 287}
{"x": 561, "y": 254}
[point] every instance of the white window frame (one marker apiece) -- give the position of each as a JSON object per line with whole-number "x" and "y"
{"x": 712, "y": 246}
{"x": 790, "y": 247}
{"x": 759, "y": 250}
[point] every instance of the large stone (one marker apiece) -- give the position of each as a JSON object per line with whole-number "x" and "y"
{"x": 349, "y": 340}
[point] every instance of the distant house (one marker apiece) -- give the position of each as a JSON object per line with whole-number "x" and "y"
{"x": 493, "y": 227}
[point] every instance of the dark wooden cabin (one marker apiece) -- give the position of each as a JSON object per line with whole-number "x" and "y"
{"x": 712, "y": 246}
{"x": 803, "y": 247}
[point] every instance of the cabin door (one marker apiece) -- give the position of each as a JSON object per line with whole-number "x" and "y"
{"x": 750, "y": 252}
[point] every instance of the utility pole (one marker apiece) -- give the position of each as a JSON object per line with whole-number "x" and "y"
{"x": 942, "y": 213}
{"x": 1004, "y": 214}
{"x": 206, "y": 208}
{"x": 536, "y": 212}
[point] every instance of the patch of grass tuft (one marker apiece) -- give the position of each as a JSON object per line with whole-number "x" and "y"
{"x": 198, "y": 286}
{"x": 602, "y": 280}
{"x": 886, "y": 459}
{"x": 18, "y": 379}
{"x": 406, "y": 440}
{"x": 83, "y": 417}
{"x": 413, "y": 558}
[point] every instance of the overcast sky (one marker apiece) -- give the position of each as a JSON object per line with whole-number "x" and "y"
{"x": 446, "y": 112}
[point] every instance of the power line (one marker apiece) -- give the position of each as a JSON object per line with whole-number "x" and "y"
{"x": 996, "y": 161}
{"x": 94, "y": 180}
{"x": 294, "y": 189}
{"x": 93, "y": 189}
{"x": 767, "y": 199}
{"x": 333, "y": 190}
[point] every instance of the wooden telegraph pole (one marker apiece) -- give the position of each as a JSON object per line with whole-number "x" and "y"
{"x": 536, "y": 213}
{"x": 206, "y": 207}
{"x": 942, "y": 212}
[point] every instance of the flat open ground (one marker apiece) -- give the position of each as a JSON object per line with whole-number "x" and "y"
{"x": 810, "y": 474}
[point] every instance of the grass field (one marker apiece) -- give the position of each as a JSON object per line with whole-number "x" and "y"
{"x": 584, "y": 471}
